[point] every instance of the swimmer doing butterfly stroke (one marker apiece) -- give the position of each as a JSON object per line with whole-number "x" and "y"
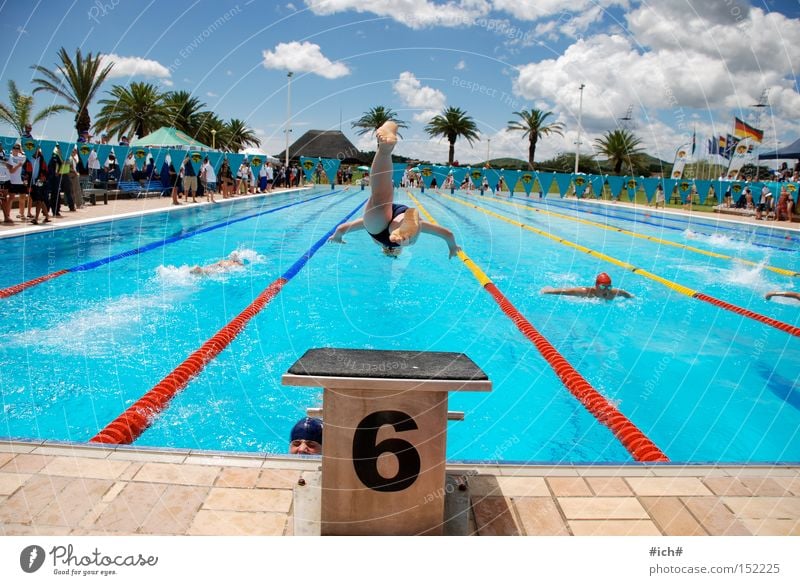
{"x": 391, "y": 225}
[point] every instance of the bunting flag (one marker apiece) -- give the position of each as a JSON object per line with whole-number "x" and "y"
{"x": 631, "y": 186}
{"x": 440, "y": 174}
{"x": 685, "y": 189}
{"x": 512, "y": 180}
{"x": 426, "y": 172}
{"x": 215, "y": 160}
{"x": 649, "y": 185}
{"x": 309, "y": 165}
{"x": 84, "y": 150}
{"x": 235, "y": 161}
{"x": 8, "y": 142}
{"x": 493, "y": 176}
{"x": 458, "y": 175}
{"x": 597, "y": 182}
{"x": 670, "y": 185}
{"x": 615, "y": 183}
{"x": 331, "y": 166}
{"x": 476, "y": 175}
{"x": 563, "y": 181}
{"x": 581, "y": 184}
{"x": 398, "y": 170}
{"x": 545, "y": 182}
{"x": 702, "y": 187}
{"x": 744, "y": 130}
{"x": 528, "y": 178}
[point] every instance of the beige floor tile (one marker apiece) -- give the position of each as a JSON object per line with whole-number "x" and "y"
{"x": 284, "y": 479}
{"x": 613, "y": 471}
{"x": 494, "y": 517}
{"x": 791, "y": 484}
{"x": 26, "y": 530}
{"x": 17, "y": 447}
{"x": 178, "y": 474}
{"x": 298, "y": 463}
{"x": 538, "y": 471}
{"x": 671, "y": 516}
{"x": 130, "y": 471}
{"x": 688, "y": 471}
{"x": 227, "y": 523}
{"x": 10, "y": 482}
{"x": 148, "y": 456}
{"x": 28, "y": 463}
{"x": 5, "y": 458}
{"x": 483, "y": 485}
{"x": 714, "y": 516}
{"x": 613, "y": 528}
{"x": 614, "y": 508}
{"x": 786, "y": 508}
{"x": 726, "y": 486}
{"x": 239, "y": 477}
{"x": 569, "y": 486}
{"x": 667, "y": 486}
{"x": 175, "y": 509}
{"x": 540, "y": 517}
{"x": 241, "y": 500}
{"x": 32, "y": 498}
{"x": 73, "y": 502}
{"x": 609, "y": 486}
{"x": 763, "y": 486}
{"x": 129, "y": 510}
{"x": 219, "y": 461}
{"x": 85, "y": 467}
{"x": 773, "y": 527}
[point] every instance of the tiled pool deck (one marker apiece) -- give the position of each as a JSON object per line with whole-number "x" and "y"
{"x": 56, "y": 489}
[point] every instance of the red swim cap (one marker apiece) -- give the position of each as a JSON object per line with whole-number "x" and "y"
{"x": 602, "y": 278}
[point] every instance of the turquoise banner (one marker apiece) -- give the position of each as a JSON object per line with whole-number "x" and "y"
{"x": 703, "y": 186}
{"x": 8, "y": 143}
{"x": 84, "y": 150}
{"x": 493, "y": 176}
{"x": 47, "y": 147}
{"x": 398, "y": 170}
{"x": 196, "y": 157}
{"x": 215, "y": 159}
{"x": 235, "y": 161}
{"x": 440, "y": 174}
{"x": 331, "y": 166}
{"x": 29, "y": 146}
{"x": 615, "y": 183}
{"x": 670, "y": 185}
{"x": 793, "y": 189}
{"x": 685, "y": 189}
{"x": 527, "y": 179}
{"x": 512, "y": 180}
{"x": 597, "y": 182}
{"x": 458, "y": 175}
{"x": 631, "y": 187}
{"x": 308, "y": 165}
{"x": 545, "y": 181}
{"x": 563, "y": 181}
{"x": 650, "y": 184}
{"x": 476, "y": 174}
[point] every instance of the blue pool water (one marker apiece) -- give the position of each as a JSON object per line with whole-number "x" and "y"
{"x": 704, "y": 384}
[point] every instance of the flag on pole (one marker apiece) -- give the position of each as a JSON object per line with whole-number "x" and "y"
{"x": 730, "y": 144}
{"x": 694, "y": 140}
{"x": 743, "y": 130}
{"x": 713, "y": 146}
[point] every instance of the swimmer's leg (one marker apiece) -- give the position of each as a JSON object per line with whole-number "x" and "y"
{"x": 378, "y": 213}
{"x": 409, "y": 228}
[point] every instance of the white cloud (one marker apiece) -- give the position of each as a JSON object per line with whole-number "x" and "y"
{"x": 211, "y": 94}
{"x": 134, "y": 66}
{"x": 291, "y": 7}
{"x": 228, "y": 72}
{"x": 22, "y": 31}
{"x": 461, "y": 65}
{"x": 415, "y": 14}
{"x": 412, "y": 93}
{"x": 303, "y": 57}
{"x": 167, "y": 82}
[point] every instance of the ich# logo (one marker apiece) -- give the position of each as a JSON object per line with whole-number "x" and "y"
{"x": 31, "y": 558}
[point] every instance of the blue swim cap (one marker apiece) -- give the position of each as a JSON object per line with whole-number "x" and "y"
{"x": 309, "y": 429}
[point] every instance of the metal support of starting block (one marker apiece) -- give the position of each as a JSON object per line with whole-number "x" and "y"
{"x": 384, "y": 436}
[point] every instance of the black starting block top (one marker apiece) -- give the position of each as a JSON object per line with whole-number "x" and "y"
{"x": 383, "y": 364}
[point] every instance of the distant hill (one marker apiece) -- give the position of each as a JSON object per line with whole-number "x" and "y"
{"x": 504, "y": 163}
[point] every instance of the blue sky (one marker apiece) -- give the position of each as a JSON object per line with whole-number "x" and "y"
{"x": 679, "y": 65}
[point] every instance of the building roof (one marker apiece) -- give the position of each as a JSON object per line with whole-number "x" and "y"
{"x": 325, "y": 144}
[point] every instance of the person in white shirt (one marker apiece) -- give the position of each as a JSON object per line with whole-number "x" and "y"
{"x": 94, "y": 165}
{"x": 4, "y": 182}
{"x": 16, "y": 186}
{"x": 270, "y": 176}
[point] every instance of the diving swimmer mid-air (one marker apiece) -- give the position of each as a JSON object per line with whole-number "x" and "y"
{"x": 391, "y": 225}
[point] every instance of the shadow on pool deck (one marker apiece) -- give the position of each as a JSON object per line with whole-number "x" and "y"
{"x": 61, "y": 489}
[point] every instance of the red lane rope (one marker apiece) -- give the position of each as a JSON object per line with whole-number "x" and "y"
{"x": 635, "y": 441}
{"x": 791, "y": 329}
{"x": 18, "y": 288}
{"x": 128, "y": 426}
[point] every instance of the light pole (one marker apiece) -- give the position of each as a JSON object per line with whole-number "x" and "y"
{"x": 488, "y": 145}
{"x": 288, "y": 113}
{"x": 213, "y": 139}
{"x": 578, "y": 143}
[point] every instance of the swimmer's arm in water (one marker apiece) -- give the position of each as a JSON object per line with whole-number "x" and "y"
{"x": 441, "y": 232}
{"x": 344, "y": 228}
{"x": 791, "y": 295}
{"x": 579, "y": 291}
{"x": 622, "y": 293}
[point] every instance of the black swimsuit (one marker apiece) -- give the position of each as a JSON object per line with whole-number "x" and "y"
{"x": 383, "y": 237}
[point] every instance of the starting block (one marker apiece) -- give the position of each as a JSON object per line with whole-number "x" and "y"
{"x": 384, "y": 435}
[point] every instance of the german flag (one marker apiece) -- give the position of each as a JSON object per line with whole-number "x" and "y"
{"x": 743, "y": 130}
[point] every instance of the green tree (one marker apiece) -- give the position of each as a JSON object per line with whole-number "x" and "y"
{"x": 211, "y": 130}
{"x": 374, "y": 118}
{"x": 184, "y": 111}
{"x": 620, "y": 147}
{"x": 17, "y": 113}
{"x": 76, "y": 81}
{"x": 533, "y": 124}
{"x": 138, "y": 109}
{"x": 452, "y": 123}
{"x": 237, "y": 136}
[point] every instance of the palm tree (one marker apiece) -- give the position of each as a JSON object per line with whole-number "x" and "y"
{"x": 211, "y": 129}
{"x": 452, "y": 123}
{"x": 76, "y": 81}
{"x": 374, "y": 118}
{"x": 237, "y": 136}
{"x": 620, "y": 146}
{"x": 18, "y": 111}
{"x": 534, "y": 125}
{"x": 138, "y": 109}
{"x": 184, "y": 111}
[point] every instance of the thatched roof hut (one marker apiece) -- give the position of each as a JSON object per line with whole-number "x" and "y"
{"x": 325, "y": 144}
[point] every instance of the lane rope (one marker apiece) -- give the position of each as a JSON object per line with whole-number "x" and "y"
{"x": 635, "y": 441}
{"x": 780, "y": 325}
{"x": 782, "y": 271}
{"x": 129, "y": 425}
{"x": 18, "y": 288}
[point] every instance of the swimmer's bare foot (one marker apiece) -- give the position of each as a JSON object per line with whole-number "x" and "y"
{"x": 387, "y": 136}
{"x": 409, "y": 228}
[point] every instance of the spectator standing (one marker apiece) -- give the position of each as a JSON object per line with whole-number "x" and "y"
{"x": 4, "y": 181}
{"x": 189, "y": 180}
{"x": 94, "y": 165}
{"x": 124, "y": 141}
{"x": 54, "y": 182}
{"x": 75, "y": 180}
{"x": 225, "y": 179}
{"x": 39, "y": 191}
{"x": 16, "y": 185}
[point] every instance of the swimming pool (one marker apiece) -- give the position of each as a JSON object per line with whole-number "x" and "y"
{"x": 704, "y": 384}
